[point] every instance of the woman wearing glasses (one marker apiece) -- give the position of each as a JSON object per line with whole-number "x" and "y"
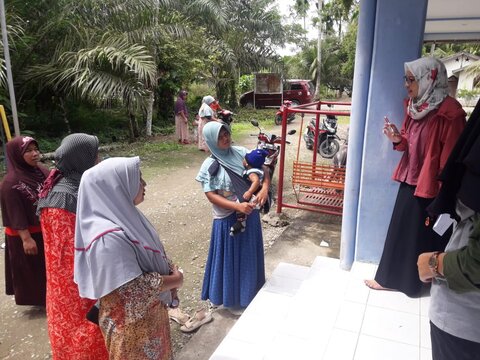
{"x": 433, "y": 122}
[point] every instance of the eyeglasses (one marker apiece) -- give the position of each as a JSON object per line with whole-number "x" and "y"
{"x": 409, "y": 79}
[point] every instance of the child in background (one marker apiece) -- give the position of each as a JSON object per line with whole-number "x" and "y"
{"x": 253, "y": 163}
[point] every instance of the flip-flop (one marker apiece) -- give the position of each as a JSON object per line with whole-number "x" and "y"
{"x": 201, "y": 317}
{"x": 178, "y": 316}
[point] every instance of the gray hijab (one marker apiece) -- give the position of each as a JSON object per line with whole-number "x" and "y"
{"x": 105, "y": 207}
{"x": 77, "y": 153}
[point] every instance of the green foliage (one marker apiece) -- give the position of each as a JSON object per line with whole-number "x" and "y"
{"x": 95, "y": 65}
{"x": 196, "y": 92}
{"x": 327, "y": 93}
{"x": 152, "y": 147}
{"x": 263, "y": 116}
{"x": 298, "y": 66}
{"x": 338, "y": 51}
{"x": 245, "y": 83}
{"x": 468, "y": 95}
{"x": 48, "y": 145}
{"x": 443, "y": 50}
{"x": 164, "y": 130}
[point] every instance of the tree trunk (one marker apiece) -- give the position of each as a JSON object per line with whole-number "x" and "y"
{"x": 233, "y": 95}
{"x": 149, "y": 108}
{"x": 133, "y": 126}
{"x": 64, "y": 114}
{"x": 319, "y": 48}
{"x": 164, "y": 106}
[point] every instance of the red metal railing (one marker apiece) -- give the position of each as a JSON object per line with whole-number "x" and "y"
{"x": 304, "y": 109}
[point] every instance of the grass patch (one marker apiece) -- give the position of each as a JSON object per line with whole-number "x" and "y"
{"x": 263, "y": 116}
{"x": 159, "y": 154}
{"x": 343, "y": 120}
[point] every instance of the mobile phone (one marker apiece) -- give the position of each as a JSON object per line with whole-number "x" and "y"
{"x": 391, "y": 127}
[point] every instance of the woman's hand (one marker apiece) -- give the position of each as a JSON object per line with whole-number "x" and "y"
{"x": 175, "y": 278}
{"x": 245, "y": 207}
{"x": 392, "y": 133}
{"x": 30, "y": 246}
{"x": 262, "y": 195}
{"x": 178, "y": 276}
{"x": 425, "y": 273}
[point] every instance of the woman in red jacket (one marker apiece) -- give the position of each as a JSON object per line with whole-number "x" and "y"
{"x": 432, "y": 125}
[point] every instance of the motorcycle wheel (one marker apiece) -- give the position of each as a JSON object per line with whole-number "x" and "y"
{"x": 278, "y": 119}
{"x": 328, "y": 148}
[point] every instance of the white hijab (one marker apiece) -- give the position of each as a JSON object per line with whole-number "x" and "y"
{"x": 432, "y": 80}
{"x": 205, "y": 110}
{"x": 105, "y": 206}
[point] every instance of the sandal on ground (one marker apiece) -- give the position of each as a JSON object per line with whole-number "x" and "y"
{"x": 201, "y": 317}
{"x": 374, "y": 285}
{"x": 177, "y": 315}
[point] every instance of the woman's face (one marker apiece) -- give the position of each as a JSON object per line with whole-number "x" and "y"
{"x": 32, "y": 154}
{"x": 411, "y": 85}
{"x": 141, "y": 192}
{"x": 224, "y": 139}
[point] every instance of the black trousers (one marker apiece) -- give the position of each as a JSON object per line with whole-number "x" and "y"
{"x": 449, "y": 347}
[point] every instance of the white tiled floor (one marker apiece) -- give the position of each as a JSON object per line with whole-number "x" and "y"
{"x": 324, "y": 313}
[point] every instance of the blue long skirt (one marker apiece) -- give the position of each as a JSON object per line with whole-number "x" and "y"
{"x": 235, "y": 269}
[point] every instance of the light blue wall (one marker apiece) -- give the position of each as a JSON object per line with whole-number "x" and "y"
{"x": 398, "y": 28}
{"x": 361, "y": 82}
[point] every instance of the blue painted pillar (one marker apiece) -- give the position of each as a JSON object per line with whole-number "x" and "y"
{"x": 361, "y": 82}
{"x": 398, "y": 35}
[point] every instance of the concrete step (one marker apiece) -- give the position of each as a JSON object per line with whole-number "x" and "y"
{"x": 323, "y": 312}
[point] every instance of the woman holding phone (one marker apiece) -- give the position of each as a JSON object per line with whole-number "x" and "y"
{"x": 432, "y": 124}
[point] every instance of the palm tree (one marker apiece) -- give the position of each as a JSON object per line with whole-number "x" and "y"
{"x": 246, "y": 44}
{"x": 336, "y": 11}
{"x": 124, "y": 51}
{"x": 110, "y": 52}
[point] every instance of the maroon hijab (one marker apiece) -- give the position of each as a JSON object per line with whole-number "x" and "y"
{"x": 19, "y": 188}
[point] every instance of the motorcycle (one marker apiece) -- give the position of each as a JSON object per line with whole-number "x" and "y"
{"x": 279, "y": 114}
{"x": 340, "y": 158}
{"x": 270, "y": 143}
{"x": 226, "y": 116}
{"x": 328, "y": 140}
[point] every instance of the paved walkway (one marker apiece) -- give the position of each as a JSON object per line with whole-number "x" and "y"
{"x": 322, "y": 312}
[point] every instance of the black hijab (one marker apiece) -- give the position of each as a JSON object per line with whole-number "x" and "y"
{"x": 77, "y": 153}
{"x": 461, "y": 174}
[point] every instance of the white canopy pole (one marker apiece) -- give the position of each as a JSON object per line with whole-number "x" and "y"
{"x": 6, "y": 53}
